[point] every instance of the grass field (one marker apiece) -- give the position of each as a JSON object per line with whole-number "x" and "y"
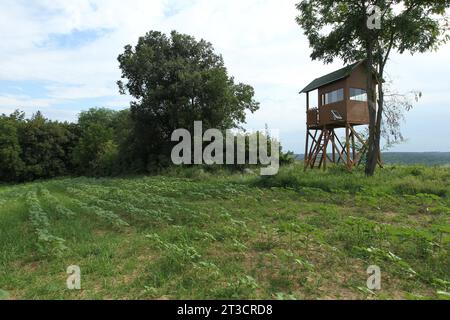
{"x": 195, "y": 235}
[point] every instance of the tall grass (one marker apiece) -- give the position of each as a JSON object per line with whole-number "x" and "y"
{"x": 390, "y": 180}
{"x": 197, "y": 233}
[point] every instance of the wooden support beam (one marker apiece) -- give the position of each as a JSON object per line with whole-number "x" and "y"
{"x": 366, "y": 146}
{"x": 338, "y": 151}
{"x": 306, "y": 148}
{"x": 353, "y": 145}
{"x": 316, "y": 151}
{"x": 361, "y": 154}
{"x": 341, "y": 154}
{"x": 359, "y": 137}
{"x": 380, "y": 162}
{"x": 347, "y": 146}
{"x": 316, "y": 147}
{"x": 307, "y": 103}
{"x": 324, "y": 148}
{"x": 314, "y": 141}
{"x": 313, "y": 150}
{"x": 312, "y": 147}
{"x": 334, "y": 146}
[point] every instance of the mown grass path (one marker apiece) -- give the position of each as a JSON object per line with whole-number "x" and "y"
{"x": 219, "y": 236}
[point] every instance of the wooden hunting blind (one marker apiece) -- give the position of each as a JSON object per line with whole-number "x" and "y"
{"x": 342, "y": 103}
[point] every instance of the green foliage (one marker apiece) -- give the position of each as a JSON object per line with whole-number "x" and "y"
{"x": 341, "y": 29}
{"x": 91, "y": 204}
{"x": 102, "y": 133}
{"x": 177, "y": 80}
{"x": 46, "y": 147}
{"x": 286, "y": 158}
{"x": 228, "y": 236}
{"x": 414, "y": 158}
{"x": 11, "y": 164}
{"x": 177, "y": 254}
{"x": 38, "y": 148}
{"x": 46, "y": 242}
{"x": 54, "y": 203}
{"x": 405, "y": 181}
{"x": 414, "y": 186}
{"x": 415, "y": 28}
{"x": 35, "y": 148}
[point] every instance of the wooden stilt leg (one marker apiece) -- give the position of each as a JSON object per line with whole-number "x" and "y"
{"x": 347, "y": 146}
{"x": 306, "y": 148}
{"x": 380, "y": 162}
{"x": 316, "y": 148}
{"x": 324, "y": 150}
{"x": 353, "y": 147}
{"x": 334, "y": 146}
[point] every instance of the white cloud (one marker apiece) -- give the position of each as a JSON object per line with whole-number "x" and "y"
{"x": 259, "y": 39}
{"x": 9, "y": 103}
{"x": 23, "y": 101}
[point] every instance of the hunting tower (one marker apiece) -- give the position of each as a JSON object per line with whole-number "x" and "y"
{"x": 342, "y": 104}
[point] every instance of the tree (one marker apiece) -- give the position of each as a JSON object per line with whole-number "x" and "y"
{"x": 45, "y": 147}
{"x": 346, "y": 30}
{"x": 11, "y": 165}
{"x": 177, "y": 80}
{"x": 101, "y": 133}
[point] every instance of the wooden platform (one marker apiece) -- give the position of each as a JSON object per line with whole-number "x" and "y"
{"x": 324, "y": 146}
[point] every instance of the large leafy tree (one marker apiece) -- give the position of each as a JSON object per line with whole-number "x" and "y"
{"x": 353, "y": 30}
{"x": 175, "y": 81}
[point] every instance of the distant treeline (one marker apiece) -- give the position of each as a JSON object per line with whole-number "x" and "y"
{"x": 102, "y": 142}
{"x": 425, "y": 158}
{"x": 40, "y": 148}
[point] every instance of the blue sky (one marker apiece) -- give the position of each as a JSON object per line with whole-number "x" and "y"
{"x": 60, "y": 57}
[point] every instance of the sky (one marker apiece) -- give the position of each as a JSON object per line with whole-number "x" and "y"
{"x": 60, "y": 57}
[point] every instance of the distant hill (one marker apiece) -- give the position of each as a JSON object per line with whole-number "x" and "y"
{"x": 426, "y": 158}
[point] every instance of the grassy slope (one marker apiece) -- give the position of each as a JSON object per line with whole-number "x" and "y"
{"x": 297, "y": 235}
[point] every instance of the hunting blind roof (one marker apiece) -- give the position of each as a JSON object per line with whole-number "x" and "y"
{"x": 331, "y": 77}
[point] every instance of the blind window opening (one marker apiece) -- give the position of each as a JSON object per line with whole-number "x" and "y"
{"x": 358, "y": 95}
{"x": 333, "y": 96}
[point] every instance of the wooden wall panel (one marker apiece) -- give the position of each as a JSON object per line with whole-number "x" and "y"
{"x": 325, "y": 115}
{"x": 358, "y": 112}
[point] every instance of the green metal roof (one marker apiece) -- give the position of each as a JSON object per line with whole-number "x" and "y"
{"x": 331, "y": 77}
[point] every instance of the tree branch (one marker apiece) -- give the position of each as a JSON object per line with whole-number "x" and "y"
{"x": 391, "y": 43}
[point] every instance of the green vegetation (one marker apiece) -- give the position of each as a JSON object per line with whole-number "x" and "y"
{"x": 373, "y": 30}
{"x": 411, "y": 158}
{"x": 426, "y": 158}
{"x": 195, "y": 234}
{"x": 35, "y": 148}
{"x": 38, "y": 148}
{"x": 174, "y": 80}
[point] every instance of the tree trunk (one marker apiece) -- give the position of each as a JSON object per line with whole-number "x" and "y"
{"x": 374, "y": 158}
{"x": 379, "y": 114}
{"x": 373, "y": 149}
